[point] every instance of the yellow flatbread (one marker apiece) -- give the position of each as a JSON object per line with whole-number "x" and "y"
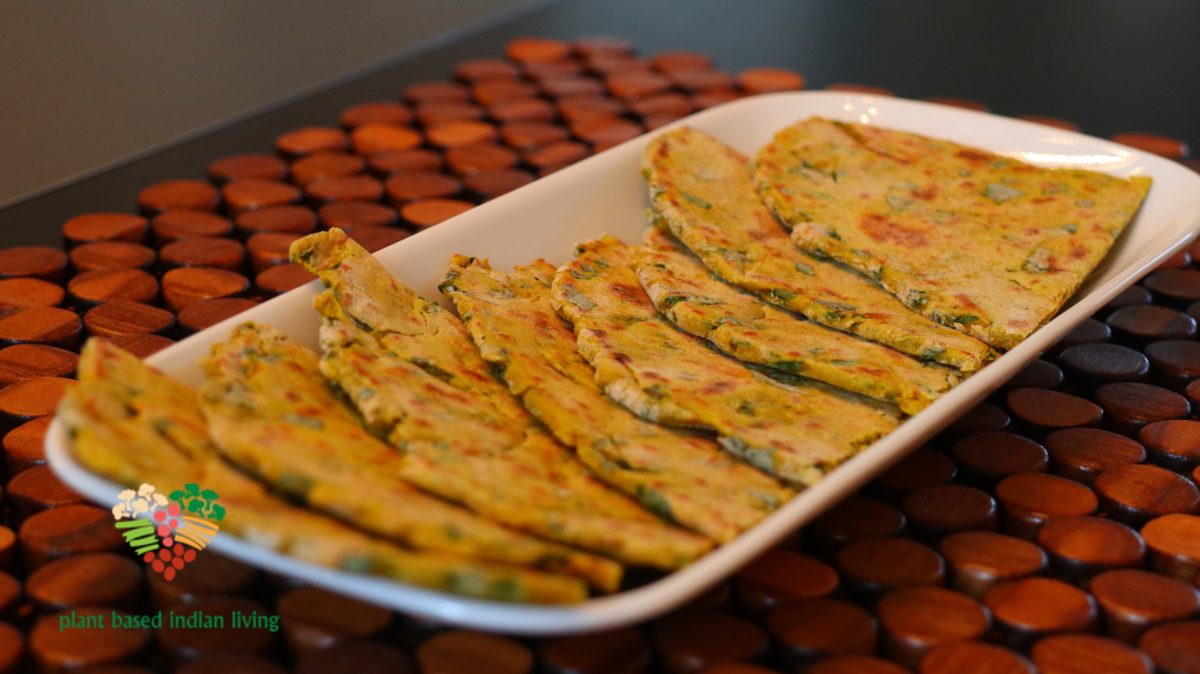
{"x": 133, "y": 424}
{"x": 742, "y": 326}
{"x": 704, "y": 193}
{"x": 683, "y": 476}
{"x": 985, "y": 244}
{"x": 796, "y": 431}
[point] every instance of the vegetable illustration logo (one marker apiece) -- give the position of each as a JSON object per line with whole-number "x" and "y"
{"x": 168, "y": 531}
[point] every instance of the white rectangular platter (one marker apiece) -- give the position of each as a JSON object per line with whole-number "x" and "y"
{"x": 605, "y": 194}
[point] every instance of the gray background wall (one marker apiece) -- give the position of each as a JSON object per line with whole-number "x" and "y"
{"x": 85, "y": 83}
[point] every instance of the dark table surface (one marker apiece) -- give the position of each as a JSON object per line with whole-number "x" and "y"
{"x": 1107, "y": 65}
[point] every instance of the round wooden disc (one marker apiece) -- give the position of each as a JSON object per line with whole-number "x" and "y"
{"x": 206, "y": 313}
{"x": 436, "y": 91}
{"x": 169, "y": 195}
{"x": 281, "y": 278}
{"x": 112, "y": 254}
{"x": 536, "y": 50}
{"x": 491, "y": 184}
{"x": 435, "y": 113}
{"x": 765, "y": 80}
{"x": 994, "y": 455}
{"x": 578, "y": 109}
{"x": 1173, "y": 444}
{"x": 405, "y": 187}
{"x": 37, "y": 489}
{"x": 344, "y": 188}
{"x": 174, "y": 225}
{"x": 141, "y": 346}
{"x": 252, "y": 194}
{"x": 1133, "y": 600}
{"x": 809, "y": 629}
{"x": 268, "y": 249}
{"x": 127, "y": 318}
{"x": 326, "y": 165}
{"x": 90, "y": 579}
{"x": 620, "y": 651}
{"x": 1089, "y": 331}
{"x": 779, "y": 575}
{"x": 375, "y": 112}
{"x": 1175, "y": 287}
{"x": 689, "y": 642}
{"x": 1048, "y": 410}
{"x": 106, "y": 285}
{"x": 454, "y": 134}
{"x": 916, "y": 619}
{"x": 377, "y": 238}
{"x": 571, "y": 86}
{"x": 104, "y": 227}
{"x": 69, "y": 530}
{"x": 242, "y": 166}
{"x": 1080, "y": 547}
{"x": 856, "y": 518}
{"x": 1131, "y": 405}
{"x": 293, "y": 219}
{"x": 463, "y": 652}
{"x": 1129, "y": 297}
{"x": 316, "y": 619}
{"x": 490, "y": 93}
{"x": 851, "y": 664}
{"x": 11, "y": 594}
{"x": 360, "y": 657}
{"x": 395, "y": 161}
{"x": 974, "y": 656}
{"x": 41, "y": 262}
{"x": 922, "y": 468}
{"x": 1154, "y": 143}
{"x": 1038, "y": 374}
{"x": 25, "y": 361}
{"x": 425, "y": 213}
{"x": 1174, "y": 542}
{"x": 233, "y": 663}
{"x": 181, "y": 643}
{"x": 1031, "y": 608}
{"x": 1081, "y": 454}
{"x": 1174, "y": 647}
{"x": 1102, "y": 363}
{"x": 186, "y": 286}
{"x": 875, "y": 565}
{"x": 662, "y": 104}
{"x": 24, "y": 446}
{"x": 1137, "y": 493}
{"x": 522, "y": 110}
{"x": 29, "y": 292}
{"x": 485, "y": 69}
{"x": 983, "y": 417}
{"x": 206, "y": 251}
{"x": 947, "y": 508}
{"x": 29, "y": 398}
{"x": 1175, "y": 363}
{"x": 1050, "y": 121}
{"x": 1029, "y": 500}
{"x": 556, "y": 155}
{"x": 311, "y": 139}
{"x": 526, "y": 135}
{"x": 51, "y": 326}
{"x": 56, "y": 649}
{"x": 469, "y": 159}
{"x": 604, "y": 132}
{"x": 209, "y": 575}
{"x": 979, "y": 560}
{"x": 1144, "y": 323}
{"x": 1088, "y": 654}
{"x": 703, "y": 80}
{"x": 8, "y": 547}
{"x": 633, "y": 85}
{"x": 349, "y": 216}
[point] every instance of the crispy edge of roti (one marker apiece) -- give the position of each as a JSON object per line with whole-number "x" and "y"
{"x": 133, "y": 424}
{"x": 670, "y": 471}
{"x": 747, "y": 247}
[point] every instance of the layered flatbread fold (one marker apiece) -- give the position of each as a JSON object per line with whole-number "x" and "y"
{"x": 705, "y": 195}
{"x": 134, "y": 425}
{"x": 796, "y": 430}
{"x": 683, "y": 476}
{"x": 983, "y": 243}
{"x": 412, "y": 371}
{"x": 740, "y": 325}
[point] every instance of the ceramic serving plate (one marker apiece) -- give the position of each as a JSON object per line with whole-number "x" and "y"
{"x": 605, "y": 194}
